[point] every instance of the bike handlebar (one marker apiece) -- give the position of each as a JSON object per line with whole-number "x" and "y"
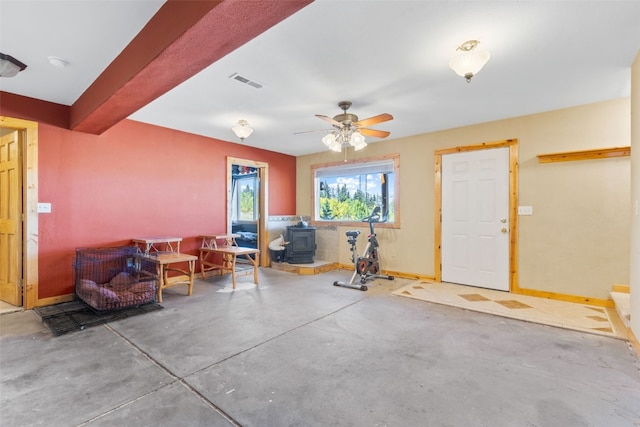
{"x": 374, "y": 217}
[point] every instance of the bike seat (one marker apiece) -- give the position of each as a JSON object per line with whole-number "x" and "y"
{"x": 353, "y": 233}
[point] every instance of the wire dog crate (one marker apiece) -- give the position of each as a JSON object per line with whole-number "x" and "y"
{"x": 114, "y": 278}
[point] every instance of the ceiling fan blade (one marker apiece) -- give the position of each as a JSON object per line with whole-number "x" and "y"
{"x": 373, "y": 132}
{"x": 329, "y": 120}
{"x": 313, "y": 131}
{"x": 384, "y": 117}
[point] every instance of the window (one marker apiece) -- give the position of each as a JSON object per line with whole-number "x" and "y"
{"x": 245, "y": 200}
{"x": 349, "y": 192}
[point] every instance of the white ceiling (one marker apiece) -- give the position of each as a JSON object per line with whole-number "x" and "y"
{"x": 384, "y": 56}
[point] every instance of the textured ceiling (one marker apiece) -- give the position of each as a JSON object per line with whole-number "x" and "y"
{"x": 384, "y": 56}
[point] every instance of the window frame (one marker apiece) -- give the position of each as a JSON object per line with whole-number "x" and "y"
{"x": 395, "y": 158}
{"x": 256, "y": 183}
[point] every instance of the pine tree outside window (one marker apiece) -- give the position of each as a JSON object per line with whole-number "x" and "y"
{"x": 346, "y": 193}
{"x": 245, "y": 199}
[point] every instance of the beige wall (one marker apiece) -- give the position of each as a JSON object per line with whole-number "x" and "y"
{"x": 635, "y": 198}
{"x": 577, "y": 240}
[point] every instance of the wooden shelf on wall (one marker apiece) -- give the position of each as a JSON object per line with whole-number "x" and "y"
{"x": 569, "y": 156}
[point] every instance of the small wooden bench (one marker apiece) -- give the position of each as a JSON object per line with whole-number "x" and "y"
{"x": 226, "y": 246}
{"x": 163, "y": 262}
{"x": 149, "y": 245}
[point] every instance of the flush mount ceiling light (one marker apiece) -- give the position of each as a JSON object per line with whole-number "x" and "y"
{"x": 468, "y": 59}
{"x": 10, "y": 66}
{"x": 242, "y": 129}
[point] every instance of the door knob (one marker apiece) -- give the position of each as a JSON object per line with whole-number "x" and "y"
{"x": 503, "y": 220}
{"x": 504, "y": 230}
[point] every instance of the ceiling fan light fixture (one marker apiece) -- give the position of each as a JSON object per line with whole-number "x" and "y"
{"x": 10, "y": 66}
{"x": 349, "y": 131}
{"x": 357, "y": 141}
{"x": 329, "y": 140}
{"x": 336, "y": 146}
{"x": 242, "y": 129}
{"x": 468, "y": 59}
{"x": 332, "y": 143}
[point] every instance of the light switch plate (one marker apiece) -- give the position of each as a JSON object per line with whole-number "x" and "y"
{"x": 44, "y": 207}
{"x": 525, "y": 210}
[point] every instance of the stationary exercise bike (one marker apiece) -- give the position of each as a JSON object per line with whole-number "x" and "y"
{"x": 367, "y": 266}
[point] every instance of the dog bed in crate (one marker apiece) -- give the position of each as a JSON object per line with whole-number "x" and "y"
{"x": 114, "y": 278}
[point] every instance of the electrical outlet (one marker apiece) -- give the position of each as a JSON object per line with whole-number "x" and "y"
{"x": 525, "y": 210}
{"x": 393, "y": 253}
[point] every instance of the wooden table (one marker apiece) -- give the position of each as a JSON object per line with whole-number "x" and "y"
{"x": 163, "y": 261}
{"x": 150, "y": 245}
{"x": 225, "y": 245}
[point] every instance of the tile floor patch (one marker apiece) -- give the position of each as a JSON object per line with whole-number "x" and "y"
{"x": 562, "y": 314}
{"x": 511, "y": 303}
{"x": 474, "y": 297}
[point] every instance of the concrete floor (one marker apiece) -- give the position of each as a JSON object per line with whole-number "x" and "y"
{"x": 298, "y": 351}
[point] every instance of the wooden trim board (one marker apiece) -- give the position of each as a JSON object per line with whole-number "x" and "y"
{"x": 600, "y": 153}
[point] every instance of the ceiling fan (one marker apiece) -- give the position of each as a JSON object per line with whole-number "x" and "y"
{"x": 349, "y": 130}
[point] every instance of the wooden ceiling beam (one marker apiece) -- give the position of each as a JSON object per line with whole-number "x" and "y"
{"x": 183, "y": 38}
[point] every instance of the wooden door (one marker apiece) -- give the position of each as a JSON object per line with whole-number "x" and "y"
{"x": 261, "y": 198}
{"x": 475, "y": 218}
{"x": 10, "y": 219}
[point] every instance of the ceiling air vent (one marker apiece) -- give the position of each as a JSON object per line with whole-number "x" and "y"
{"x": 243, "y": 79}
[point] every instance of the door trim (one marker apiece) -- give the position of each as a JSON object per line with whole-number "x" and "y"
{"x": 263, "y": 260}
{"x": 512, "y": 144}
{"x": 28, "y": 137}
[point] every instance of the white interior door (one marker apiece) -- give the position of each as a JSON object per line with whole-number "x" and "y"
{"x": 475, "y": 218}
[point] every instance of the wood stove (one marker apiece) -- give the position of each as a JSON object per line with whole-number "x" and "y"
{"x": 302, "y": 244}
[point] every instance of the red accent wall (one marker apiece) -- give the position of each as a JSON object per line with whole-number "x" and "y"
{"x": 136, "y": 180}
